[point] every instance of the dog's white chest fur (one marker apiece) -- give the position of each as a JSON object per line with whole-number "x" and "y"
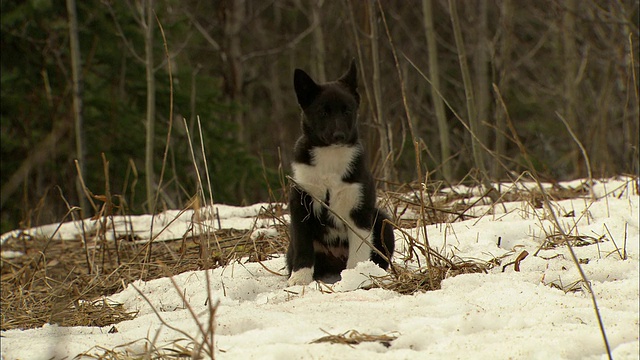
{"x": 328, "y": 166}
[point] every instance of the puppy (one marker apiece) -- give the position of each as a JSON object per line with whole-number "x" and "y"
{"x": 329, "y": 164}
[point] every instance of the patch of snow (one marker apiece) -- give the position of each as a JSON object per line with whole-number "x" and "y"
{"x": 505, "y": 314}
{"x": 10, "y": 254}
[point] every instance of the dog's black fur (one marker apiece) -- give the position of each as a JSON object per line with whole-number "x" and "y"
{"x": 329, "y": 163}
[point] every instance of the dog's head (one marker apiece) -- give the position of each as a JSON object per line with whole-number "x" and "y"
{"x": 331, "y": 109}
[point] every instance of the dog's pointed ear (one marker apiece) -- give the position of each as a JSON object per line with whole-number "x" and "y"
{"x": 306, "y": 88}
{"x": 350, "y": 78}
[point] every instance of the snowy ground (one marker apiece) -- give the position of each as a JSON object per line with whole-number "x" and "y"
{"x": 540, "y": 312}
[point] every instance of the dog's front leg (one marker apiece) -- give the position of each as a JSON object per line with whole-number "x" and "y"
{"x": 301, "y": 255}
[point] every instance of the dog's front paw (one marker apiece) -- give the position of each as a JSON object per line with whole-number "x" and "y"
{"x": 303, "y": 276}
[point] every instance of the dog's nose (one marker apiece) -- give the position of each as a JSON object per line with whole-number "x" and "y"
{"x": 339, "y": 136}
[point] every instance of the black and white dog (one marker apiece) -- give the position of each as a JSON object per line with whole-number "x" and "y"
{"x": 329, "y": 165}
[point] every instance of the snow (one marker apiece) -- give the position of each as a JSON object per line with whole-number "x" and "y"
{"x": 168, "y": 225}
{"x": 540, "y": 312}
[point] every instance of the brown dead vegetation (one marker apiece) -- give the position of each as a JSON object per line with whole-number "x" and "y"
{"x": 51, "y": 282}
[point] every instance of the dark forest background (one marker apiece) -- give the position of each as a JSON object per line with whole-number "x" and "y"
{"x": 84, "y": 80}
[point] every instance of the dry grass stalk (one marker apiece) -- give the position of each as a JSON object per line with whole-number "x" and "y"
{"x": 175, "y": 350}
{"x": 407, "y": 281}
{"x": 354, "y": 337}
{"x": 98, "y": 313}
{"x": 575, "y": 286}
{"x": 552, "y": 241}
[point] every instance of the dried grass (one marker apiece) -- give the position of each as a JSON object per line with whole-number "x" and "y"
{"x": 175, "y": 350}
{"x": 452, "y": 206}
{"x": 406, "y": 280}
{"x": 553, "y": 241}
{"x": 440, "y": 207}
{"x": 353, "y": 337}
{"x": 50, "y": 283}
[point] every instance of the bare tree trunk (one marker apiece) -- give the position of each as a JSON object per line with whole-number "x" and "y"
{"x": 318, "y": 41}
{"x": 631, "y": 122}
{"x": 570, "y": 73}
{"x": 481, "y": 71}
{"x": 502, "y": 64}
{"x": 476, "y": 146}
{"x": 235, "y": 14}
{"x": 434, "y": 70}
{"x": 76, "y": 74}
{"x": 192, "y": 98}
{"x": 385, "y": 152}
{"x": 151, "y": 103}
